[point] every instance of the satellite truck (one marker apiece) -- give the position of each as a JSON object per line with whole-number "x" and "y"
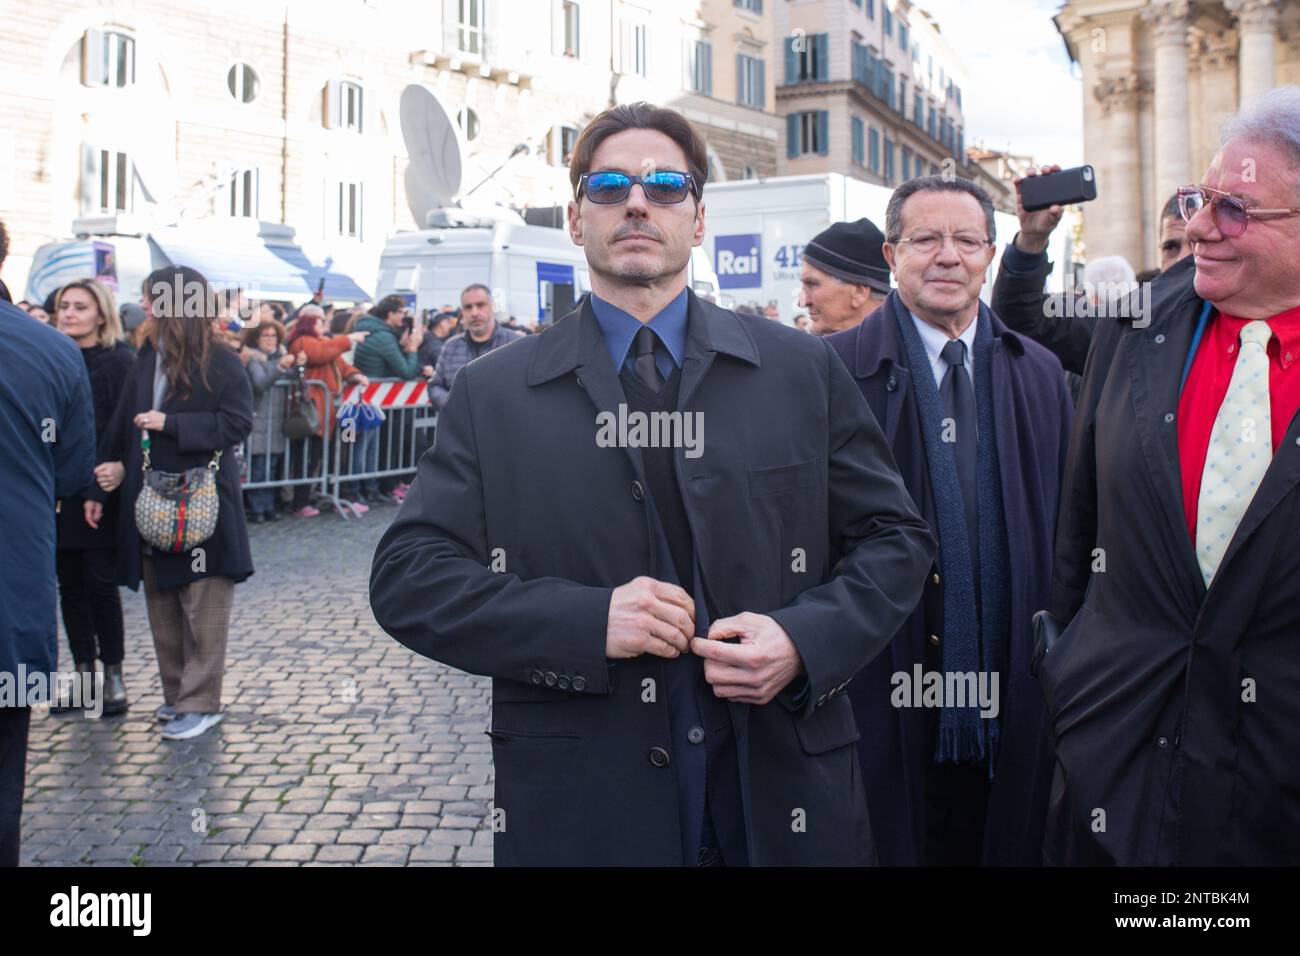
{"x": 756, "y": 230}
{"x": 536, "y": 273}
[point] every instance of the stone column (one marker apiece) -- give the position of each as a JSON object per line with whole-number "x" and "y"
{"x": 1173, "y": 165}
{"x": 1114, "y": 226}
{"x": 1257, "y": 28}
{"x": 1218, "y": 95}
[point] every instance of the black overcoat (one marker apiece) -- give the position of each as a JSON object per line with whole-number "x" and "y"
{"x": 1175, "y": 708}
{"x": 217, "y": 415}
{"x": 519, "y": 526}
{"x": 1032, "y": 419}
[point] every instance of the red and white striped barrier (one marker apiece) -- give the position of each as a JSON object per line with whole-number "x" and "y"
{"x": 389, "y": 394}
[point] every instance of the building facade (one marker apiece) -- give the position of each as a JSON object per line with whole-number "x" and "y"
{"x": 172, "y": 113}
{"x": 870, "y": 89}
{"x": 1160, "y": 77}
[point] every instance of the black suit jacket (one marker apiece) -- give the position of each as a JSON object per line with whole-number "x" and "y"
{"x": 797, "y": 511}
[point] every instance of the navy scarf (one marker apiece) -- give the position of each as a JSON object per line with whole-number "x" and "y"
{"x": 972, "y": 641}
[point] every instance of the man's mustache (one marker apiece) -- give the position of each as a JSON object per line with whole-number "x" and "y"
{"x": 632, "y": 229}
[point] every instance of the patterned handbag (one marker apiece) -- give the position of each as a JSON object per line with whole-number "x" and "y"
{"x": 176, "y": 512}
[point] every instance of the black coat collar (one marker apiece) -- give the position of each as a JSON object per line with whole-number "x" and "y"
{"x": 879, "y": 341}
{"x": 571, "y": 342}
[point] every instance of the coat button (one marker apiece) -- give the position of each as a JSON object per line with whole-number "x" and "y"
{"x": 1162, "y": 743}
{"x": 695, "y": 735}
{"x": 1160, "y": 339}
{"x": 637, "y": 493}
{"x": 535, "y": 677}
{"x": 934, "y": 578}
{"x": 934, "y": 639}
{"x": 580, "y": 683}
{"x": 562, "y": 683}
{"x": 891, "y": 384}
{"x": 659, "y": 757}
{"x": 550, "y": 678}
{"x": 1169, "y": 417}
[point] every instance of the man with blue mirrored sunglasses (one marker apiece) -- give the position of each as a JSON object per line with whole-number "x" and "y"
{"x": 670, "y": 617}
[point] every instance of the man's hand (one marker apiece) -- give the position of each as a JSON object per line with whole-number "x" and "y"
{"x": 649, "y": 617}
{"x": 1036, "y": 227}
{"x": 94, "y": 511}
{"x": 427, "y": 371}
{"x": 109, "y": 474}
{"x": 755, "y": 670}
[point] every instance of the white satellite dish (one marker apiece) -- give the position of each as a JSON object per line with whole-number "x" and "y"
{"x": 433, "y": 177}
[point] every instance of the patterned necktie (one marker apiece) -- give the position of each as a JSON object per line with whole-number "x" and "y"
{"x": 646, "y": 369}
{"x": 1241, "y": 447}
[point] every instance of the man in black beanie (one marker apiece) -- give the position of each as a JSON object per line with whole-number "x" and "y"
{"x": 844, "y": 276}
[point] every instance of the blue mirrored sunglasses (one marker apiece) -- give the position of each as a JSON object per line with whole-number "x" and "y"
{"x": 665, "y": 187}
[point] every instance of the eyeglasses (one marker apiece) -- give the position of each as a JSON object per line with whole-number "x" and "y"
{"x": 927, "y": 243}
{"x": 1231, "y": 214}
{"x": 665, "y": 187}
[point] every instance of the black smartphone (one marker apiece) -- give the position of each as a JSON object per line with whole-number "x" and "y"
{"x": 408, "y": 322}
{"x": 1058, "y": 189}
{"x": 320, "y": 286}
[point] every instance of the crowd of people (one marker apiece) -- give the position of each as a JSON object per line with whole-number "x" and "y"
{"x": 179, "y": 391}
{"x": 951, "y": 579}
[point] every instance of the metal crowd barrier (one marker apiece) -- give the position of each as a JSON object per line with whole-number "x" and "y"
{"x": 294, "y": 454}
{"x": 404, "y": 435}
{"x": 402, "y": 438}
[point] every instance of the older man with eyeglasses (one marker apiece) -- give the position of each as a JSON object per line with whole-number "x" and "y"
{"x": 1173, "y": 691}
{"x": 977, "y": 418}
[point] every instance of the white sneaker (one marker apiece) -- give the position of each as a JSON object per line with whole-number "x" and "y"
{"x": 185, "y": 726}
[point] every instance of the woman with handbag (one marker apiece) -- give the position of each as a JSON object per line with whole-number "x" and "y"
{"x": 186, "y": 405}
{"x": 266, "y": 362}
{"x": 325, "y": 363}
{"x": 87, "y": 527}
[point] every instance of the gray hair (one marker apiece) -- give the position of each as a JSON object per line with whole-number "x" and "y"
{"x": 1111, "y": 269}
{"x": 894, "y": 211}
{"x": 1274, "y": 118}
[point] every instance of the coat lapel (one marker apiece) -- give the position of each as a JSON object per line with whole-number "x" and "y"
{"x": 879, "y": 344}
{"x": 1282, "y": 475}
{"x": 1156, "y": 363}
{"x": 575, "y": 345}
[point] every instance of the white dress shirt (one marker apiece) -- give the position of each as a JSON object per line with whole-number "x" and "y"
{"x": 935, "y": 339}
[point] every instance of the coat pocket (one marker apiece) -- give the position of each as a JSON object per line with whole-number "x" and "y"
{"x": 784, "y": 478}
{"x": 828, "y": 728}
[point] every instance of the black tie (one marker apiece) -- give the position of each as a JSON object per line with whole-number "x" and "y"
{"x": 646, "y": 369}
{"x": 959, "y": 405}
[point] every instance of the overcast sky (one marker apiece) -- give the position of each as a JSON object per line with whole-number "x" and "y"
{"x": 1022, "y": 93}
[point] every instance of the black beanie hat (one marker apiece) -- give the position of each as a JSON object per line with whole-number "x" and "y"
{"x": 851, "y": 251}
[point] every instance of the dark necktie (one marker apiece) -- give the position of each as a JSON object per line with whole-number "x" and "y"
{"x": 959, "y": 405}
{"x": 646, "y": 369}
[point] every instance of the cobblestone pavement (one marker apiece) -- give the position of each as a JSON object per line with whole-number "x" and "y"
{"x": 339, "y": 746}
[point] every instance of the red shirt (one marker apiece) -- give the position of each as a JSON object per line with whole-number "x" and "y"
{"x": 1207, "y": 384}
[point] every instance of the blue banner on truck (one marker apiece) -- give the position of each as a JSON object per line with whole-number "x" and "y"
{"x": 738, "y": 261}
